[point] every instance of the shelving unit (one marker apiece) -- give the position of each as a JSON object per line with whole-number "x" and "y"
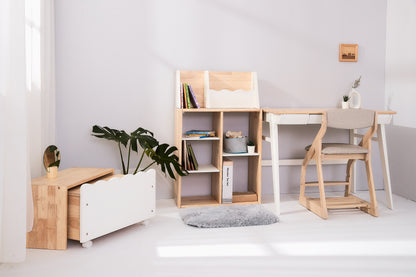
{"x": 213, "y": 119}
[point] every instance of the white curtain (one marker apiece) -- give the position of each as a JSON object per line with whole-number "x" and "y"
{"x": 40, "y": 80}
{"x": 13, "y": 132}
{"x": 27, "y": 114}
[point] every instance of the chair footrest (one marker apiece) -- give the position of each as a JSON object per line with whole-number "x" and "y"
{"x": 347, "y": 202}
{"x": 330, "y": 183}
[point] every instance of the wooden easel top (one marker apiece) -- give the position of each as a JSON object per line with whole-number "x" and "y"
{"x": 72, "y": 177}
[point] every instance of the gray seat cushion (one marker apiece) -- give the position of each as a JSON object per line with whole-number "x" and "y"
{"x": 340, "y": 148}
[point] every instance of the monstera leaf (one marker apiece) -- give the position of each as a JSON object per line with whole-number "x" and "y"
{"x": 119, "y": 136}
{"x": 164, "y": 157}
{"x": 144, "y": 138}
{"x": 111, "y": 134}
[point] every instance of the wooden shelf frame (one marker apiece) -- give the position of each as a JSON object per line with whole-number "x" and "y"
{"x": 199, "y": 139}
{"x": 218, "y": 81}
{"x": 253, "y": 195}
{"x": 225, "y": 154}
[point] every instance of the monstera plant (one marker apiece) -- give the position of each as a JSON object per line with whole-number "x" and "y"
{"x": 142, "y": 139}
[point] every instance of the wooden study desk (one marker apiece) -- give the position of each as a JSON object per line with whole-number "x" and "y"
{"x": 302, "y": 116}
{"x": 50, "y": 201}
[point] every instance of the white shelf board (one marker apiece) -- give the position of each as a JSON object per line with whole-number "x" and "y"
{"x": 239, "y": 154}
{"x": 200, "y": 139}
{"x": 205, "y": 168}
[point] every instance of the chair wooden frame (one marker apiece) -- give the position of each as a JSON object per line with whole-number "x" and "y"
{"x": 321, "y": 205}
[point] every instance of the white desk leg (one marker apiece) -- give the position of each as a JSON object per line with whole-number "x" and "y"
{"x": 381, "y": 138}
{"x": 275, "y": 163}
{"x": 353, "y": 140}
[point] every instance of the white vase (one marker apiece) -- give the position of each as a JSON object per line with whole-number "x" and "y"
{"x": 345, "y": 105}
{"x": 355, "y": 99}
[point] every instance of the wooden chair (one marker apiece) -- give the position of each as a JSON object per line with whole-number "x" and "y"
{"x": 341, "y": 119}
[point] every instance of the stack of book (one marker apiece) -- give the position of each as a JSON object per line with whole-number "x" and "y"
{"x": 200, "y": 133}
{"x": 188, "y": 97}
{"x": 189, "y": 161}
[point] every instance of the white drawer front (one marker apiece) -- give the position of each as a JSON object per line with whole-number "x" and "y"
{"x": 384, "y": 118}
{"x": 107, "y": 206}
{"x": 294, "y": 119}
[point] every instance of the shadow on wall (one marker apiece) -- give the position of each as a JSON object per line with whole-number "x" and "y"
{"x": 281, "y": 27}
{"x": 277, "y": 96}
{"x": 402, "y": 153}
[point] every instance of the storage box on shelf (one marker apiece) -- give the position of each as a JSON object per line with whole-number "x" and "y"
{"x": 213, "y": 119}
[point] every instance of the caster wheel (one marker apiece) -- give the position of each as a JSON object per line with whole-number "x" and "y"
{"x": 87, "y": 244}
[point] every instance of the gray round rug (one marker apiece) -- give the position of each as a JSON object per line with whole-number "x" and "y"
{"x": 228, "y": 216}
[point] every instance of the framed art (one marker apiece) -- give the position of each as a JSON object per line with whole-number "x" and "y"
{"x": 348, "y": 52}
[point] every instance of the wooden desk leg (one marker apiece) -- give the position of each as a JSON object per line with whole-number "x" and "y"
{"x": 274, "y": 135}
{"x": 353, "y": 140}
{"x": 50, "y": 218}
{"x": 381, "y": 139}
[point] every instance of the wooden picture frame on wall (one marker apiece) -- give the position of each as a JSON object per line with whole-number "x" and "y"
{"x": 348, "y": 52}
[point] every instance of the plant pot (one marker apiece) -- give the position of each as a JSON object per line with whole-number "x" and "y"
{"x": 345, "y": 105}
{"x": 250, "y": 149}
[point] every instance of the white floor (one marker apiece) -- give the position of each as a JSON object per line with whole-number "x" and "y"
{"x": 349, "y": 243}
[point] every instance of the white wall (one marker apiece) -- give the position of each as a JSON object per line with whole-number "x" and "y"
{"x": 401, "y": 94}
{"x": 401, "y": 61}
{"x": 115, "y": 64}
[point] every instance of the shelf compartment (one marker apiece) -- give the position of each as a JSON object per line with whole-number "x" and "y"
{"x": 197, "y": 201}
{"x": 205, "y": 168}
{"x": 247, "y": 197}
{"x": 225, "y": 154}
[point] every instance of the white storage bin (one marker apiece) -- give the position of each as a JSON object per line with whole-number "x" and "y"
{"x": 235, "y": 145}
{"x": 106, "y": 206}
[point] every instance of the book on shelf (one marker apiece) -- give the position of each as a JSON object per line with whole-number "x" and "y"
{"x": 181, "y": 96}
{"x": 189, "y": 161}
{"x": 192, "y": 95}
{"x": 199, "y": 133}
{"x": 227, "y": 181}
{"x": 187, "y": 97}
{"x": 192, "y": 156}
{"x": 184, "y": 104}
{"x": 184, "y": 156}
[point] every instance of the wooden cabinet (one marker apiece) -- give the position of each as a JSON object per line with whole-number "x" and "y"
{"x": 85, "y": 203}
{"x": 205, "y": 187}
{"x": 50, "y": 201}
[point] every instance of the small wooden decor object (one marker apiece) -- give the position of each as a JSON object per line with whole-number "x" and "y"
{"x": 348, "y": 52}
{"x": 52, "y": 172}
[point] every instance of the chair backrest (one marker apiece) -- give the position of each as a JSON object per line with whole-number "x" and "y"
{"x": 350, "y": 118}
